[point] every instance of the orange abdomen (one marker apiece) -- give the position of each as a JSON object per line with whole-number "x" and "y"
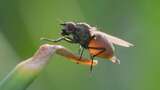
{"x": 101, "y": 42}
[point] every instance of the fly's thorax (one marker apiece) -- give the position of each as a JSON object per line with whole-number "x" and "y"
{"x": 82, "y": 35}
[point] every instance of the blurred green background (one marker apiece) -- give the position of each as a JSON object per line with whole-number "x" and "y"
{"x": 24, "y": 22}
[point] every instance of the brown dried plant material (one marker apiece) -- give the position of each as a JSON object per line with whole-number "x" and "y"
{"x": 45, "y": 51}
{"x": 26, "y": 71}
{"x": 60, "y": 50}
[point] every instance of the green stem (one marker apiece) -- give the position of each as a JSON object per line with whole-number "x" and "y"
{"x": 25, "y": 72}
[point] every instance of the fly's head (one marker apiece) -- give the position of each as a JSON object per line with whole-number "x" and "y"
{"x": 68, "y": 28}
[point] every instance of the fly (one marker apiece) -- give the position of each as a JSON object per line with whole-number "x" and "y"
{"x": 99, "y": 44}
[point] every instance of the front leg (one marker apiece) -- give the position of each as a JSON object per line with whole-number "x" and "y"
{"x": 52, "y": 40}
{"x": 68, "y": 39}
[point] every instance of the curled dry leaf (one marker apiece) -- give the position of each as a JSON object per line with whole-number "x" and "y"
{"x": 26, "y": 71}
{"x": 46, "y": 50}
{"x": 75, "y": 58}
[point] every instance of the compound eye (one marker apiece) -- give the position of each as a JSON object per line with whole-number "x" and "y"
{"x": 71, "y": 27}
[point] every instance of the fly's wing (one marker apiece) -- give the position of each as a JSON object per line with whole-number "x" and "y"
{"x": 118, "y": 41}
{"x": 112, "y": 39}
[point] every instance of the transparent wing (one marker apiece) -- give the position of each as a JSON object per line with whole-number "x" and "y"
{"x": 118, "y": 41}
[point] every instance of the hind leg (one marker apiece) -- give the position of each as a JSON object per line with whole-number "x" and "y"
{"x": 92, "y": 56}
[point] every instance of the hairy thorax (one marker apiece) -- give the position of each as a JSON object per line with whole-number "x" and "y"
{"x": 82, "y": 36}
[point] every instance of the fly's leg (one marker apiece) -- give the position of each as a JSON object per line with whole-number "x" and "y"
{"x": 68, "y": 39}
{"x": 91, "y": 67}
{"x": 79, "y": 50}
{"x": 51, "y": 40}
{"x": 81, "y": 53}
{"x": 92, "y": 56}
